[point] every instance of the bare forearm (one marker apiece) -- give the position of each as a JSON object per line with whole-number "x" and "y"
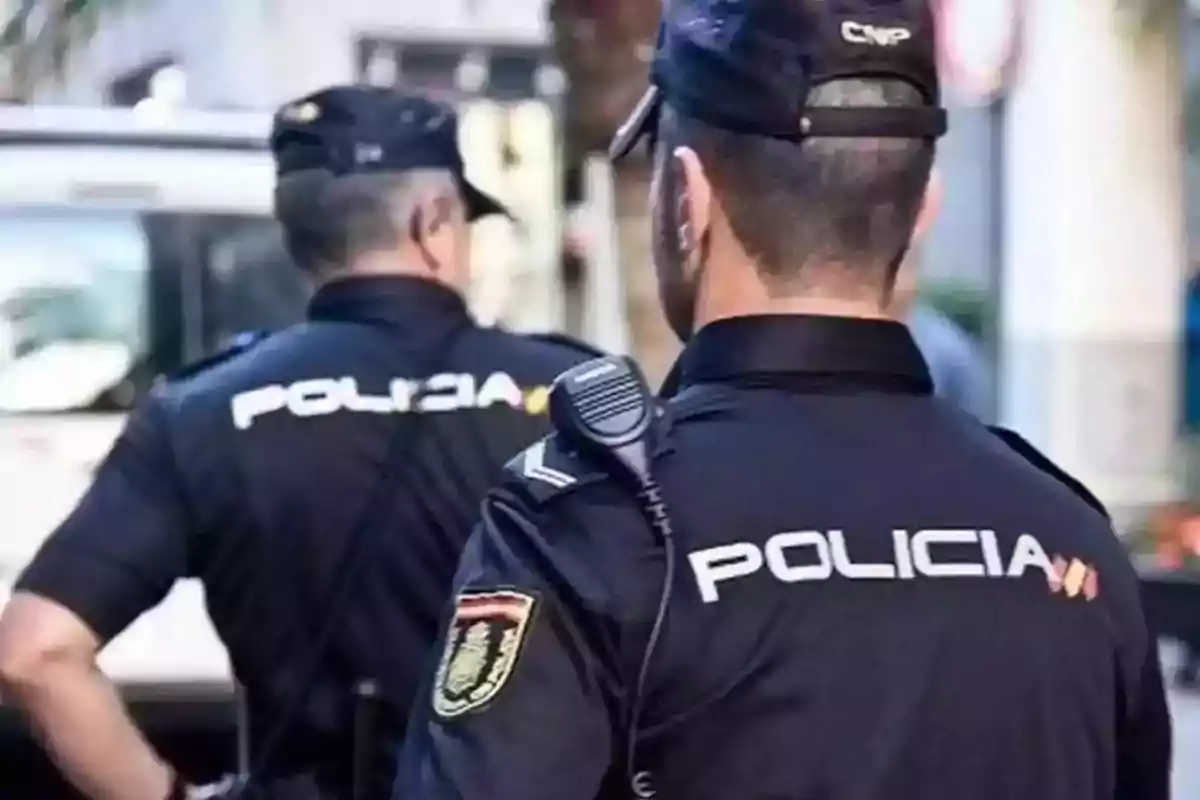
{"x": 84, "y": 725}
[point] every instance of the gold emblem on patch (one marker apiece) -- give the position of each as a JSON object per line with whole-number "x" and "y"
{"x": 482, "y": 646}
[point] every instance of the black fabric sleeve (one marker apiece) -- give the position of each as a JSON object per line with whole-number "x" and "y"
{"x": 521, "y": 704}
{"x": 125, "y": 544}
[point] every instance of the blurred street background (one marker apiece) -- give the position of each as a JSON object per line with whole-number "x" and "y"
{"x": 135, "y": 236}
{"x": 1185, "y": 709}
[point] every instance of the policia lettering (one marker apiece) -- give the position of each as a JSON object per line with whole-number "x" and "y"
{"x": 798, "y": 556}
{"x": 444, "y": 392}
{"x": 482, "y": 645}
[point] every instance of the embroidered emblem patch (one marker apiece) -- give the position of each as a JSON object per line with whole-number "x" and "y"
{"x": 482, "y": 646}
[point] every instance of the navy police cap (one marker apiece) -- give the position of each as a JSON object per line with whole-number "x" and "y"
{"x": 748, "y": 65}
{"x": 360, "y": 128}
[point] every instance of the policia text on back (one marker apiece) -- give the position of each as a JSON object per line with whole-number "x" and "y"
{"x": 319, "y": 481}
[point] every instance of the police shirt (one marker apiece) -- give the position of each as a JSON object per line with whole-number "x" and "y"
{"x": 249, "y": 474}
{"x": 875, "y": 597}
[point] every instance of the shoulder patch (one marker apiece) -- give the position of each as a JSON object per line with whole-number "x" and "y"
{"x": 483, "y": 643}
{"x": 568, "y": 341}
{"x": 545, "y": 469}
{"x": 239, "y": 344}
{"x": 1035, "y": 457}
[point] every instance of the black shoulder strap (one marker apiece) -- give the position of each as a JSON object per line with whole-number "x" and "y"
{"x": 372, "y": 520}
{"x": 1023, "y": 448}
{"x": 568, "y": 341}
{"x": 239, "y": 344}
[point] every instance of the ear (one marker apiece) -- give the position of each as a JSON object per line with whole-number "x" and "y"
{"x": 930, "y": 205}
{"x": 695, "y": 190}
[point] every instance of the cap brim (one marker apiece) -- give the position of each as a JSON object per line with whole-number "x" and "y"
{"x": 640, "y": 122}
{"x": 481, "y": 204}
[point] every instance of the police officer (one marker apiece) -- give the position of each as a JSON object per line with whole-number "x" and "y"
{"x": 829, "y": 583}
{"x": 320, "y": 482}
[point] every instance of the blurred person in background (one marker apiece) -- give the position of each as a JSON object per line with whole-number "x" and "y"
{"x": 960, "y": 371}
{"x": 320, "y": 481}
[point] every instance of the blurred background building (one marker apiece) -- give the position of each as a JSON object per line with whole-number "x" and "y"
{"x": 256, "y": 53}
{"x": 1060, "y": 245}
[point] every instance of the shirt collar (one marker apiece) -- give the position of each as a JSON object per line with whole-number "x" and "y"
{"x": 821, "y": 351}
{"x": 394, "y": 300}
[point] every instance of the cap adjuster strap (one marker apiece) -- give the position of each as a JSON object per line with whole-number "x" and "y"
{"x": 908, "y": 122}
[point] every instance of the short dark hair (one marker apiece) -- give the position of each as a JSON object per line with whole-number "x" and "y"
{"x": 329, "y": 220}
{"x": 849, "y": 203}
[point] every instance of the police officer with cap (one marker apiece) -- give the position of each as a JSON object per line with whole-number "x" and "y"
{"x": 320, "y": 481}
{"x": 809, "y": 577}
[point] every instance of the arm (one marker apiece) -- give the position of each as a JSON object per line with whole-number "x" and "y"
{"x": 1144, "y": 726}
{"x": 115, "y": 556}
{"x": 521, "y": 706}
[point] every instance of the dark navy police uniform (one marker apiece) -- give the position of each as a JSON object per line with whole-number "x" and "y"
{"x": 873, "y": 596}
{"x": 876, "y": 598}
{"x": 250, "y": 472}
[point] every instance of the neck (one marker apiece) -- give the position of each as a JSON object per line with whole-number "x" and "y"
{"x": 725, "y": 302}
{"x": 796, "y": 306}
{"x": 383, "y": 265}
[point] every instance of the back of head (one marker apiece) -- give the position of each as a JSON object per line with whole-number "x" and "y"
{"x": 793, "y": 146}
{"x": 372, "y": 181}
{"x": 825, "y": 216}
{"x": 373, "y": 223}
